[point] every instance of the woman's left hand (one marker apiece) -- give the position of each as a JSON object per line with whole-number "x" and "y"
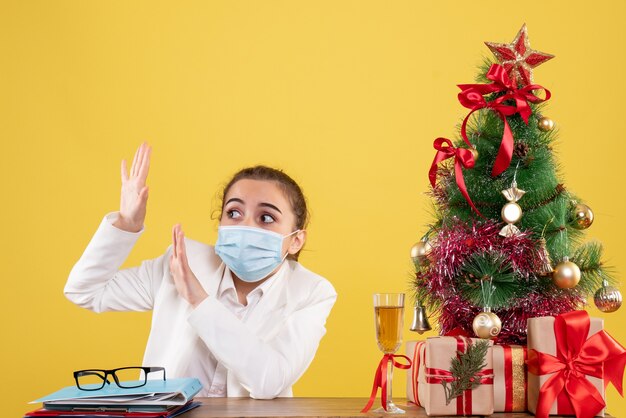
{"x": 187, "y": 284}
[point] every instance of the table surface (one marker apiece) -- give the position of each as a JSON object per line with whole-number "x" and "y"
{"x": 303, "y": 407}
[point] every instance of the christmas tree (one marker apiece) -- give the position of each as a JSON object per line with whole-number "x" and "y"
{"x": 507, "y": 240}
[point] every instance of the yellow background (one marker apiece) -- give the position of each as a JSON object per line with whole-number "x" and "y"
{"x": 346, "y": 96}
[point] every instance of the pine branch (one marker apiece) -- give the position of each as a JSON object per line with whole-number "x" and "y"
{"x": 465, "y": 368}
{"x": 497, "y": 271}
{"x": 592, "y": 271}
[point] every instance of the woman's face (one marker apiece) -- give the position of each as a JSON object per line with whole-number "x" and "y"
{"x": 262, "y": 204}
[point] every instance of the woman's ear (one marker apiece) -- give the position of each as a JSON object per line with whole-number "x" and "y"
{"x": 297, "y": 242}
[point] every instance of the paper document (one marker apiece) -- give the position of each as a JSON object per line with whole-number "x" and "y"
{"x": 154, "y": 392}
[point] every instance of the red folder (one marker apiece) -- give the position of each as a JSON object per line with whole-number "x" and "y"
{"x": 42, "y": 412}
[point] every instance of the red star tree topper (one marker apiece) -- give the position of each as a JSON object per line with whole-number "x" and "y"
{"x": 517, "y": 58}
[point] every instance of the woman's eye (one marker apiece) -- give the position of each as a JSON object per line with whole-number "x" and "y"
{"x": 233, "y": 214}
{"x": 267, "y": 219}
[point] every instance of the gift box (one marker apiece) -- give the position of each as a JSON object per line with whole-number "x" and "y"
{"x": 509, "y": 378}
{"x": 433, "y": 378}
{"x": 570, "y": 357}
{"x": 415, "y": 351}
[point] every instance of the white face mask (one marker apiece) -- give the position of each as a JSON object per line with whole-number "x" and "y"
{"x": 251, "y": 253}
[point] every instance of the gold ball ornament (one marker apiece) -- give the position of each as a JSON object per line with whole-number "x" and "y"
{"x": 511, "y": 212}
{"x": 545, "y": 124}
{"x": 566, "y": 274}
{"x": 608, "y": 298}
{"x": 487, "y": 325}
{"x": 582, "y": 216}
{"x": 420, "y": 251}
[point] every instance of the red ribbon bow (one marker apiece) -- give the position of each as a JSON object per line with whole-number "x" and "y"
{"x": 462, "y": 158}
{"x": 471, "y": 97}
{"x": 380, "y": 379}
{"x": 600, "y": 356}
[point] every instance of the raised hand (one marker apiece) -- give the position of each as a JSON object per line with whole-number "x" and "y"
{"x": 185, "y": 281}
{"x": 134, "y": 191}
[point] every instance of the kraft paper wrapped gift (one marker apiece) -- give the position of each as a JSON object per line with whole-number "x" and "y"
{"x": 438, "y": 353}
{"x": 415, "y": 351}
{"x": 509, "y": 378}
{"x": 541, "y": 337}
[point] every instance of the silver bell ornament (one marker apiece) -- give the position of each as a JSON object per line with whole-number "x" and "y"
{"x": 608, "y": 298}
{"x": 420, "y": 319}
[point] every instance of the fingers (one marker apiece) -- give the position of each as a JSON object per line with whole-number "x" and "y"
{"x": 124, "y": 173}
{"x": 174, "y": 246}
{"x": 182, "y": 251}
{"x": 179, "y": 241}
{"x": 187, "y": 284}
{"x": 134, "y": 164}
{"x": 145, "y": 164}
{"x": 140, "y": 157}
{"x": 178, "y": 244}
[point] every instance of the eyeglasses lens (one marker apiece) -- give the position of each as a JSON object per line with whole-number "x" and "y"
{"x": 91, "y": 379}
{"x": 130, "y": 377}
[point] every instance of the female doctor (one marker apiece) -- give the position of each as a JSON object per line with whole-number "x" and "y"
{"x": 242, "y": 316}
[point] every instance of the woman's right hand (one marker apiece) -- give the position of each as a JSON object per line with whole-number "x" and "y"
{"x": 134, "y": 191}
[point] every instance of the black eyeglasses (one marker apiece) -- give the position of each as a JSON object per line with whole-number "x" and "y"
{"x": 125, "y": 377}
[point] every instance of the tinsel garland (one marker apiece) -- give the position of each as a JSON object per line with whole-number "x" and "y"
{"x": 458, "y": 240}
{"x": 454, "y": 243}
{"x": 457, "y": 314}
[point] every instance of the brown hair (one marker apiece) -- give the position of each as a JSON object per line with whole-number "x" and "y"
{"x": 290, "y": 188}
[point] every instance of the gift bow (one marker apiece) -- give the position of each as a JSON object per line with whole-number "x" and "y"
{"x": 462, "y": 158}
{"x": 380, "y": 379}
{"x": 472, "y": 97}
{"x": 599, "y": 356}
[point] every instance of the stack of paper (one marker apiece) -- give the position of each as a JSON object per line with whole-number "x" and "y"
{"x": 157, "y": 398}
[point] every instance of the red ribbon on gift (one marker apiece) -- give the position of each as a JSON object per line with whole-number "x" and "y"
{"x": 438, "y": 376}
{"x": 380, "y": 379}
{"x": 509, "y": 384}
{"x": 417, "y": 362}
{"x": 471, "y": 97}
{"x": 577, "y": 356}
{"x": 462, "y": 158}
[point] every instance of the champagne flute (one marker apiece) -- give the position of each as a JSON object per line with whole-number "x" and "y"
{"x": 389, "y": 316}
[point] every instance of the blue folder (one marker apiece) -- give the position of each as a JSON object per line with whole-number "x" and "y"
{"x": 155, "y": 393}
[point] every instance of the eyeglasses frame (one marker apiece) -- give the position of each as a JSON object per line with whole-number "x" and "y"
{"x": 111, "y": 372}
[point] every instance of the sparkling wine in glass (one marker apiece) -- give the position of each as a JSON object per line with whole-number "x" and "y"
{"x": 389, "y": 316}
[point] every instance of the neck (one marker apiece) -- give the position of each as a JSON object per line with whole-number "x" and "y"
{"x": 243, "y": 287}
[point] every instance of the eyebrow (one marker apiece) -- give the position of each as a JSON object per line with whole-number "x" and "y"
{"x": 234, "y": 199}
{"x": 268, "y": 205}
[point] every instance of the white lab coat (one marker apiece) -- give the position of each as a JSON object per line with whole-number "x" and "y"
{"x": 262, "y": 358}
